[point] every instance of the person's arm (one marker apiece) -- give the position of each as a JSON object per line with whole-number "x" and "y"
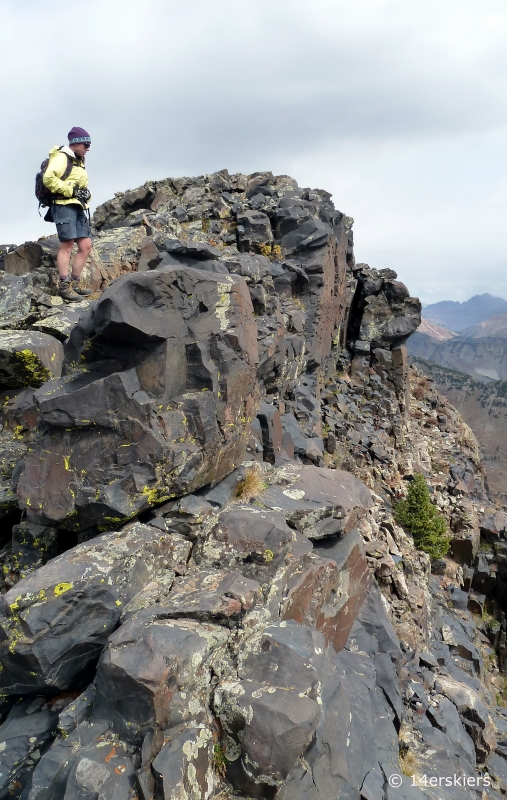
{"x": 52, "y": 178}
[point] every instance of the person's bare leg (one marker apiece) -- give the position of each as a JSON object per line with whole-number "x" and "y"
{"x": 84, "y": 248}
{"x": 63, "y": 258}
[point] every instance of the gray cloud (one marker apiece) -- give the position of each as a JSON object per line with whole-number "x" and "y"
{"x": 399, "y": 110}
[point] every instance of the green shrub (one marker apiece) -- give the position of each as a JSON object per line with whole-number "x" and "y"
{"x": 423, "y": 520}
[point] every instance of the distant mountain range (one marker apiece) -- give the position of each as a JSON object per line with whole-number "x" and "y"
{"x": 463, "y": 347}
{"x": 458, "y": 316}
{"x": 492, "y": 328}
{"x": 436, "y": 332}
{"x": 478, "y": 349}
{"x": 483, "y": 358}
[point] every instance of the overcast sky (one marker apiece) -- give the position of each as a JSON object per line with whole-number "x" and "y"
{"x": 397, "y": 107}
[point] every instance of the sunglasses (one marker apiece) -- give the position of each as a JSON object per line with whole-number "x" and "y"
{"x": 87, "y": 145}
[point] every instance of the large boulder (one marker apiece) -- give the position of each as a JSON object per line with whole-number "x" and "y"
{"x": 15, "y": 298}
{"x": 155, "y": 674}
{"x": 267, "y": 729}
{"x": 184, "y": 766}
{"x": 254, "y": 231}
{"x": 319, "y": 502}
{"x": 164, "y": 406}
{"x": 55, "y": 623}
{"x": 24, "y": 259}
{"x": 28, "y": 358}
{"x": 383, "y": 313}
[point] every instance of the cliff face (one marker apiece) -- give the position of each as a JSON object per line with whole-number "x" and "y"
{"x": 206, "y": 593}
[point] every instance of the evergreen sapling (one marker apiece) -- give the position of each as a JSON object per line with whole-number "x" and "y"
{"x": 422, "y": 519}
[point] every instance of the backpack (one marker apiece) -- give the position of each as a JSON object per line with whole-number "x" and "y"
{"x": 42, "y": 193}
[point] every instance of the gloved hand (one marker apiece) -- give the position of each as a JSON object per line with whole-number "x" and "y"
{"x": 83, "y": 195}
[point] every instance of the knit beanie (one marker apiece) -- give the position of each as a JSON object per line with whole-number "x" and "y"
{"x": 77, "y": 135}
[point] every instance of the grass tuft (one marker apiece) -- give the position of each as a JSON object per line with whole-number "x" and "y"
{"x": 408, "y": 763}
{"x": 252, "y": 484}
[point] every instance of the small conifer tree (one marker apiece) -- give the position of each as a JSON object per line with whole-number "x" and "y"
{"x": 422, "y": 519}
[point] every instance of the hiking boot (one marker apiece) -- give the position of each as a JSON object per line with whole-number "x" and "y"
{"x": 76, "y": 285}
{"x": 66, "y": 291}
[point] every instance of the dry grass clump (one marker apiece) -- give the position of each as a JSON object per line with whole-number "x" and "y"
{"x": 421, "y": 389}
{"x": 408, "y": 763}
{"x": 333, "y": 461}
{"x": 252, "y": 484}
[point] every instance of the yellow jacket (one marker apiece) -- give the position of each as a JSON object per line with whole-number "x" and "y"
{"x": 52, "y": 178}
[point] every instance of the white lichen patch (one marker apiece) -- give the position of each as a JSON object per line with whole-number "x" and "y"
{"x": 294, "y": 494}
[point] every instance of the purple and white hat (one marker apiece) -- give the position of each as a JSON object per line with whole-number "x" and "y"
{"x": 77, "y": 135}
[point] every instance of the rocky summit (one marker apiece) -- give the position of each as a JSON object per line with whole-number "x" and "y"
{"x": 205, "y": 591}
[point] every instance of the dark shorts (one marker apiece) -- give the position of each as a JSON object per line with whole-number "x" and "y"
{"x": 71, "y": 222}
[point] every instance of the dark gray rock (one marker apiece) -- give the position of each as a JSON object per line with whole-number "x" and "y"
{"x": 96, "y": 773}
{"x": 28, "y": 358}
{"x": 497, "y": 770}
{"x": 184, "y": 766}
{"x": 254, "y": 539}
{"x": 155, "y": 674}
{"x": 320, "y": 502}
{"x": 33, "y": 545}
{"x": 61, "y": 321}
{"x": 287, "y": 655}
{"x": 446, "y": 718}
{"x": 23, "y": 259}
{"x": 55, "y": 623}
{"x": 252, "y": 267}
{"x": 267, "y": 728}
{"x": 459, "y": 599}
{"x": 254, "y": 231}
{"x": 77, "y": 711}
{"x": 471, "y": 709}
{"x": 30, "y": 726}
{"x": 15, "y": 298}
{"x": 51, "y": 774}
{"x": 172, "y": 386}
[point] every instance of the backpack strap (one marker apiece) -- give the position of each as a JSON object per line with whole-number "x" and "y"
{"x": 65, "y": 175}
{"x": 68, "y": 168}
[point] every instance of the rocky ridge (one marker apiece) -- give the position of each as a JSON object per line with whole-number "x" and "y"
{"x": 483, "y": 407}
{"x": 205, "y": 590}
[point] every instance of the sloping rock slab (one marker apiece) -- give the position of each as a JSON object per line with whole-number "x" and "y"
{"x": 355, "y": 745}
{"x": 87, "y": 763}
{"x": 286, "y": 655}
{"x": 254, "y": 539}
{"x": 55, "y": 622}
{"x": 60, "y": 325}
{"x": 327, "y": 593}
{"x": 320, "y": 502}
{"x": 472, "y": 710}
{"x": 207, "y": 595}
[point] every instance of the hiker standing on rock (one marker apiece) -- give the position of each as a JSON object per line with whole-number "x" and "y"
{"x": 67, "y": 180}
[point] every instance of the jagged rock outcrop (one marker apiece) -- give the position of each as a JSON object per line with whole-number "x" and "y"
{"x": 236, "y": 408}
{"x": 163, "y": 408}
